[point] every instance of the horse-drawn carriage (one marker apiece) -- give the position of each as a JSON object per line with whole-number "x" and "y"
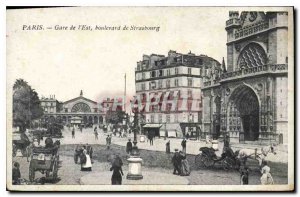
{"x": 20, "y": 142}
{"x": 232, "y": 160}
{"x": 45, "y": 159}
{"x": 208, "y": 158}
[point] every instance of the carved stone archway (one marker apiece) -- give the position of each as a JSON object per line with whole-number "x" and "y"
{"x": 243, "y": 113}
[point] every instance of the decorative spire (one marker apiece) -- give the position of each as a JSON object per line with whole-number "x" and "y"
{"x": 223, "y": 66}
{"x": 81, "y": 93}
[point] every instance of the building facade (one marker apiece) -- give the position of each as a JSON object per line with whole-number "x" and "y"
{"x": 80, "y": 107}
{"x": 169, "y": 89}
{"x": 248, "y": 101}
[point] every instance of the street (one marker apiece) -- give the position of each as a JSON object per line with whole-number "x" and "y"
{"x": 155, "y": 160}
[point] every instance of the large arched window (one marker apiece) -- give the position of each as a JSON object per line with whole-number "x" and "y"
{"x": 81, "y": 107}
{"x": 251, "y": 56}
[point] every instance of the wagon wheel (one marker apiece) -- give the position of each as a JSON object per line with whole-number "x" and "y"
{"x": 228, "y": 163}
{"x": 208, "y": 162}
{"x": 54, "y": 171}
{"x": 199, "y": 161}
{"x": 31, "y": 174}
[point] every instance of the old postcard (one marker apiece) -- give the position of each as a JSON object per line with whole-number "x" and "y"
{"x": 150, "y": 99}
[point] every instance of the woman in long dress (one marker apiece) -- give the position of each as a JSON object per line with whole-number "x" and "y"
{"x": 87, "y": 164}
{"x": 266, "y": 178}
{"x": 185, "y": 167}
{"x": 116, "y": 178}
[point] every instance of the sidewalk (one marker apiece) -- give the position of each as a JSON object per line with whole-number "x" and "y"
{"x": 149, "y": 178}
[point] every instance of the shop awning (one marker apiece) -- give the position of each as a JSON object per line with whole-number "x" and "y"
{"x": 152, "y": 125}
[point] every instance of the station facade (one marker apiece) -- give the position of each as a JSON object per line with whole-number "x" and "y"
{"x": 79, "y": 108}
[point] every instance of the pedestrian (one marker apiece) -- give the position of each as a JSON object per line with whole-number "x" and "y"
{"x": 16, "y": 174}
{"x": 151, "y": 139}
{"x": 96, "y": 134}
{"x": 129, "y": 146}
{"x": 90, "y": 151}
{"x": 109, "y": 139}
{"x": 183, "y": 145}
{"x": 116, "y": 178}
{"x": 226, "y": 143}
{"x": 187, "y": 135}
{"x": 77, "y": 153}
{"x": 244, "y": 174}
{"x": 176, "y": 160}
{"x": 185, "y": 167}
{"x": 168, "y": 149}
{"x": 86, "y": 164}
{"x": 73, "y": 133}
{"x": 266, "y": 178}
{"x": 108, "y": 142}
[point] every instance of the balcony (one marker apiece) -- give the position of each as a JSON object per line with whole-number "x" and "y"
{"x": 251, "y": 29}
{"x": 233, "y": 22}
{"x": 249, "y": 72}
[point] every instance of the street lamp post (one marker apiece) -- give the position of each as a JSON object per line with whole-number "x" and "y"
{"x": 134, "y": 161}
{"x": 135, "y": 151}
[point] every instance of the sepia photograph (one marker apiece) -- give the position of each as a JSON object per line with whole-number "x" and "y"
{"x": 150, "y": 99}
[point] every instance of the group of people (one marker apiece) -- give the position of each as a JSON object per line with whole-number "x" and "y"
{"x": 85, "y": 154}
{"x": 180, "y": 163}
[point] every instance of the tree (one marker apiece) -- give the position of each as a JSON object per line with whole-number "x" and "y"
{"x": 26, "y": 105}
{"x": 115, "y": 117}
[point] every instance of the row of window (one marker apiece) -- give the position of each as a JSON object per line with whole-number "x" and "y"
{"x": 167, "y": 72}
{"x": 145, "y": 63}
{"x": 160, "y": 120}
{"x": 159, "y": 84}
{"x": 67, "y": 110}
{"x": 168, "y": 118}
{"x": 48, "y": 104}
{"x": 51, "y": 109}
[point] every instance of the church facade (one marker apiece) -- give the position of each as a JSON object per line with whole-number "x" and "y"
{"x": 248, "y": 100}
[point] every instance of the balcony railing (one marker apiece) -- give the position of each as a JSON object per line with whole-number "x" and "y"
{"x": 246, "y": 72}
{"x": 233, "y": 21}
{"x": 251, "y": 29}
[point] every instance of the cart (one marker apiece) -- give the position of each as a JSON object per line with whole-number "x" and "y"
{"x": 44, "y": 160}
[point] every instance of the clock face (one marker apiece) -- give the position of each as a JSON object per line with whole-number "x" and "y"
{"x": 81, "y": 107}
{"x": 253, "y": 16}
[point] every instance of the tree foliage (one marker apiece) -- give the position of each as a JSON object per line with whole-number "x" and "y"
{"x": 115, "y": 117}
{"x": 26, "y": 105}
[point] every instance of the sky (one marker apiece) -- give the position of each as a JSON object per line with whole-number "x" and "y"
{"x": 63, "y": 62}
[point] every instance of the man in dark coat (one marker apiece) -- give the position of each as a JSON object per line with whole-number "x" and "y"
{"x": 183, "y": 144}
{"x": 16, "y": 174}
{"x": 176, "y": 160}
{"x": 129, "y": 146}
{"x": 117, "y": 164}
{"x": 168, "y": 149}
{"x": 226, "y": 143}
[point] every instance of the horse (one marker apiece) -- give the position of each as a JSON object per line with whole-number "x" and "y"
{"x": 258, "y": 154}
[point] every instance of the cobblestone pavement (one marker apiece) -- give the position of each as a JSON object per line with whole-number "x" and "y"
{"x": 155, "y": 160}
